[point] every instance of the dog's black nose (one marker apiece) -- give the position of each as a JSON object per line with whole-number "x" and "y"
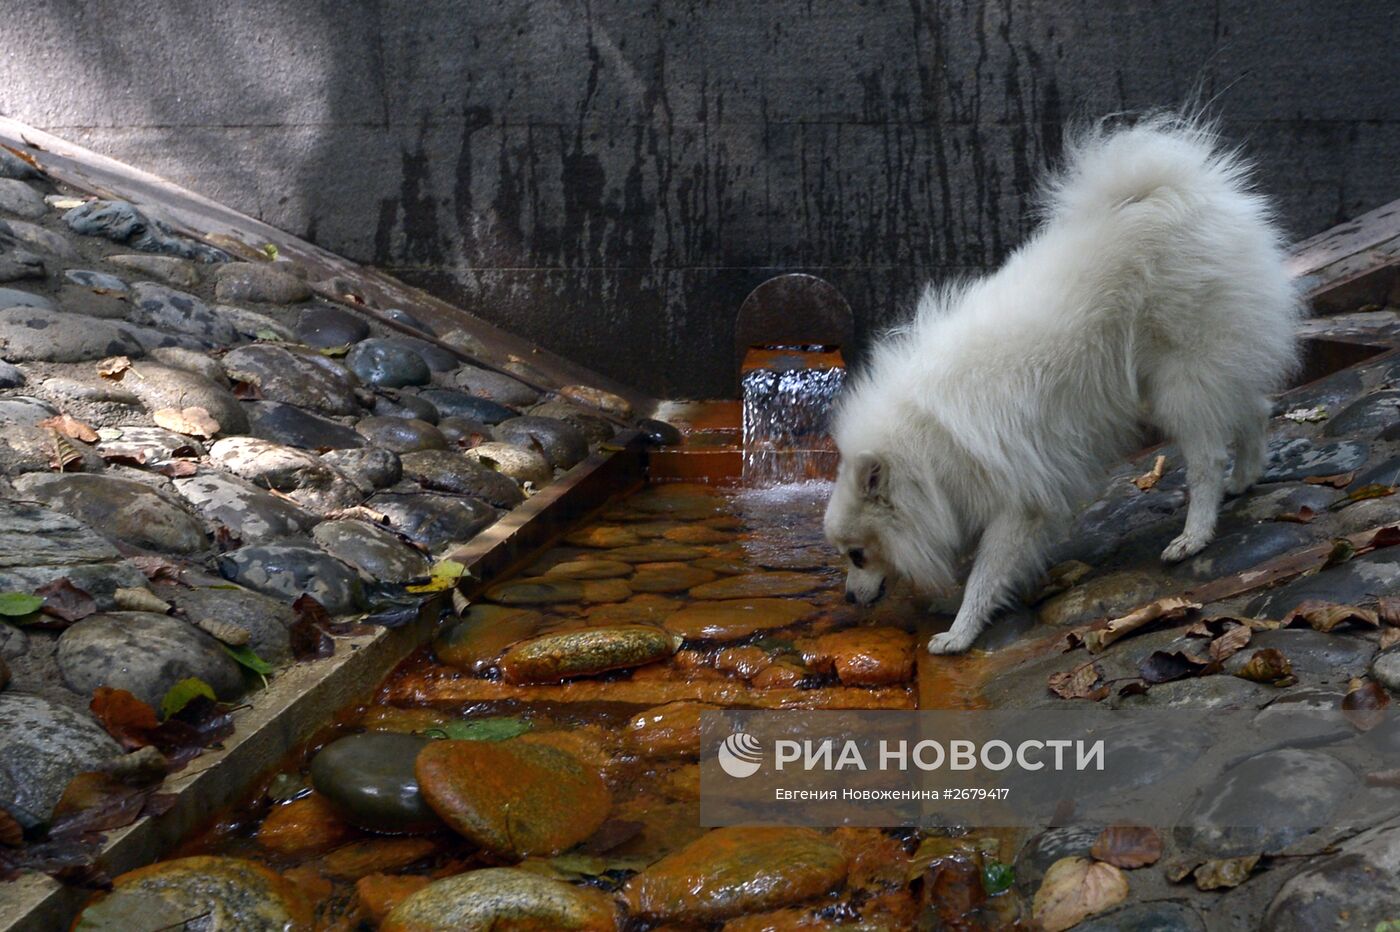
{"x": 850, "y": 597}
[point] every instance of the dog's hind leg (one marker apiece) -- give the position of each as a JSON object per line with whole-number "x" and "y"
{"x": 1251, "y": 438}
{"x": 1011, "y": 549}
{"x": 1206, "y": 455}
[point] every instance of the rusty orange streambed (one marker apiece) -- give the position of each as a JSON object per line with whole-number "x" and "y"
{"x": 682, "y": 598}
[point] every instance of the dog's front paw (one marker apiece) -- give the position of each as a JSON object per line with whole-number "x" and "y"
{"x": 1184, "y": 546}
{"x": 950, "y": 642}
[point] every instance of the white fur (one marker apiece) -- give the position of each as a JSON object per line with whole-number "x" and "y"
{"x": 1154, "y": 290}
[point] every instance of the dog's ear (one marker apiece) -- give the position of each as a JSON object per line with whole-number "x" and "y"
{"x": 872, "y": 478}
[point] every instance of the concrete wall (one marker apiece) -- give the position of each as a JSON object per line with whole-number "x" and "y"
{"x": 612, "y": 177}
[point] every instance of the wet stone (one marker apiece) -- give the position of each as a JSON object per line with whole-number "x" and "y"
{"x": 251, "y": 325}
{"x": 326, "y": 327}
{"x": 1268, "y": 503}
{"x": 1386, "y": 473}
{"x": 145, "y": 654}
{"x": 1331, "y": 393}
{"x": 1049, "y": 846}
{"x": 503, "y": 898}
{"x": 757, "y": 585}
{"x": 1161, "y": 916}
{"x": 44, "y": 745}
{"x": 597, "y": 399}
{"x": 464, "y": 341}
{"x": 401, "y": 435}
{"x": 1265, "y": 803}
{"x": 226, "y": 893}
{"x": 476, "y": 641}
{"x": 584, "y": 568}
{"x": 738, "y": 869}
{"x": 451, "y": 403}
{"x": 180, "y": 273}
{"x": 539, "y": 590}
{"x": 53, "y": 336}
{"x": 1365, "y": 417}
{"x": 668, "y": 577}
{"x": 127, "y": 511}
{"x": 512, "y": 798}
{"x": 258, "y": 282}
{"x": 369, "y": 468}
{"x": 295, "y": 376}
{"x": 1386, "y": 669}
{"x": 297, "y": 427}
{"x": 483, "y": 383}
{"x": 120, "y": 222}
{"x": 378, "y": 554}
{"x": 1367, "y": 515}
{"x": 1356, "y": 582}
{"x": 657, "y": 551}
{"x": 89, "y": 278}
{"x": 734, "y": 619}
{"x": 562, "y": 444}
{"x": 407, "y": 319}
{"x": 369, "y": 779}
{"x": 868, "y": 656}
{"x": 21, "y": 200}
{"x": 518, "y": 463}
{"x": 1209, "y": 692}
{"x": 1291, "y": 459}
{"x": 595, "y": 428}
{"x": 252, "y": 514}
{"x": 553, "y": 657}
{"x": 403, "y": 405}
{"x": 163, "y": 386}
{"x": 603, "y": 536}
{"x": 1104, "y": 596}
{"x": 1361, "y": 882}
{"x": 313, "y": 483}
{"x": 437, "y": 358}
{"x": 164, "y": 308}
{"x": 289, "y": 569}
{"x": 434, "y": 520}
{"x": 265, "y": 619}
{"x": 449, "y": 471}
{"x": 1332, "y": 657}
{"x": 1243, "y": 549}
{"x": 16, "y": 297}
{"x": 380, "y": 363}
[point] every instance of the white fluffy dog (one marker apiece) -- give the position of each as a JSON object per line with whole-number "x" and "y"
{"x": 1154, "y": 291}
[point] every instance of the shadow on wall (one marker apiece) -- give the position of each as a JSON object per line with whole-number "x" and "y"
{"x": 611, "y": 178}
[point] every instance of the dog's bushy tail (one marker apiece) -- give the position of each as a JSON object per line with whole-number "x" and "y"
{"x": 1162, "y": 158}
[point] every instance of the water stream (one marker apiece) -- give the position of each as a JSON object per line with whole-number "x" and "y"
{"x": 787, "y": 407}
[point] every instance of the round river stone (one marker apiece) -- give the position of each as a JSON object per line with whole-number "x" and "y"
{"x": 512, "y": 797}
{"x": 476, "y": 642}
{"x": 586, "y": 651}
{"x": 500, "y": 898}
{"x": 735, "y": 870}
{"x": 733, "y": 619}
{"x": 590, "y": 569}
{"x": 756, "y": 585}
{"x": 657, "y": 551}
{"x": 538, "y": 590}
{"x": 669, "y": 577}
{"x": 370, "y": 780}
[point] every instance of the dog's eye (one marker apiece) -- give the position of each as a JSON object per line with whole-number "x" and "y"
{"x": 857, "y": 557}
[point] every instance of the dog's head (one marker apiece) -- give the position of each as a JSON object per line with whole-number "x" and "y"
{"x": 888, "y": 527}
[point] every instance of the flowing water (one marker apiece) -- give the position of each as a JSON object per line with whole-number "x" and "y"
{"x": 787, "y": 406}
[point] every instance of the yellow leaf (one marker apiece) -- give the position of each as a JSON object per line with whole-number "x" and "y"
{"x": 1075, "y": 889}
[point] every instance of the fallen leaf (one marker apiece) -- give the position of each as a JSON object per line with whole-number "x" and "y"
{"x": 1178, "y": 870}
{"x": 309, "y": 637}
{"x": 246, "y": 391}
{"x": 1388, "y": 610}
{"x": 1169, "y": 609}
{"x": 1268, "y": 665}
{"x": 178, "y": 469}
{"x": 19, "y": 604}
{"x": 195, "y": 421}
{"x": 11, "y": 833}
{"x": 65, "y": 601}
{"x": 1342, "y": 551}
{"x": 139, "y": 599}
{"x": 953, "y": 889}
{"x": 1149, "y": 479}
{"x": 246, "y": 656}
{"x": 1306, "y": 415}
{"x": 70, "y": 427}
{"x": 445, "y": 574}
{"x": 1337, "y": 481}
{"x": 1080, "y": 683}
{"x": 66, "y": 457}
{"x": 124, "y": 458}
{"x": 1230, "y": 642}
{"x": 1324, "y": 616}
{"x": 1076, "y": 888}
{"x": 1303, "y": 515}
{"x": 156, "y": 569}
{"x": 1225, "y": 873}
{"x": 497, "y": 728}
{"x": 1389, "y": 638}
{"x": 235, "y": 635}
{"x": 183, "y": 693}
{"x": 1387, "y": 536}
{"x": 126, "y": 718}
{"x": 1373, "y": 490}
{"x": 113, "y": 367}
{"x": 1128, "y": 846}
{"x": 1162, "y": 667}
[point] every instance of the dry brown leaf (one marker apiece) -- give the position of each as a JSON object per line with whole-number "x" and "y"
{"x": 66, "y": 457}
{"x": 1169, "y": 608}
{"x": 1365, "y": 703}
{"x": 70, "y": 427}
{"x": 113, "y": 367}
{"x": 1324, "y": 616}
{"x": 1387, "y": 778}
{"x": 1128, "y": 846}
{"x": 1388, "y": 611}
{"x": 1080, "y": 683}
{"x": 139, "y": 599}
{"x": 1303, "y": 515}
{"x": 1231, "y": 641}
{"x": 11, "y": 834}
{"x": 1148, "y": 480}
{"x": 1389, "y": 638}
{"x": 232, "y": 634}
{"x": 1338, "y": 481}
{"x": 1268, "y": 665}
{"x": 1225, "y": 873}
{"x": 1075, "y": 889}
{"x": 196, "y": 422}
